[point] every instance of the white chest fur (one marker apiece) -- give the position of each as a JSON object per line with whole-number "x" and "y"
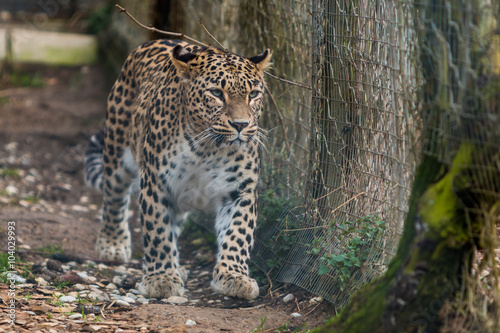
{"x": 199, "y": 184}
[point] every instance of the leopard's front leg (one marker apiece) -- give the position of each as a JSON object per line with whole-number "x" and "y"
{"x": 162, "y": 274}
{"x": 235, "y": 225}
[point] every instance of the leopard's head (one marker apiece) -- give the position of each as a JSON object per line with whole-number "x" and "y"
{"x": 223, "y": 94}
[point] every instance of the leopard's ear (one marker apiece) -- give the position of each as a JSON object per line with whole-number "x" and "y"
{"x": 181, "y": 58}
{"x": 262, "y": 61}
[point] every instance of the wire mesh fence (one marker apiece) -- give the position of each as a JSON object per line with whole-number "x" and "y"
{"x": 344, "y": 142}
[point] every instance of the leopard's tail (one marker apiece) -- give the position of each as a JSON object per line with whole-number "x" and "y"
{"x": 93, "y": 161}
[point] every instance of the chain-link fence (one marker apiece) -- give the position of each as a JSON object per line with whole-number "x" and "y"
{"x": 338, "y": 170}
{"x": 344, "y": 138}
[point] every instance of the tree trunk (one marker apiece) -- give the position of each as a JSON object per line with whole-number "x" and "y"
{"x": 455, "y": 201}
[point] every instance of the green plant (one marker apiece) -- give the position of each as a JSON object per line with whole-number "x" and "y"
{"x": 51, "y": 248}
{"x": 28, "y": 80}
{"x": 32, "y": 199}
{"x": 360, "y": 236}
{"x": 28, "y": 296}
{"x": 10, "y": 172}
{"x": 61, "y": 284}
{"x": 261, "y": 327}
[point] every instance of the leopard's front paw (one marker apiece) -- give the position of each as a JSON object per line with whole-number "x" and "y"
{"x": 234, "y": 284}
{"x": 161, "y": 285}
{"x": 111, "y": 249}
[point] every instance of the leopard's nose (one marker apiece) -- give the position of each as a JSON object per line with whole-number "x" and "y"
{"x": 239, "y": 125}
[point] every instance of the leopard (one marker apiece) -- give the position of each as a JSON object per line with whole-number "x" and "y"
{"x": 181, "y": 133}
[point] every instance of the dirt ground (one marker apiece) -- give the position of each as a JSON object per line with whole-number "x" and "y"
{"x": 44, "y": 127}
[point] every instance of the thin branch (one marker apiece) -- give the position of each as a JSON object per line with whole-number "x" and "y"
{"x": 151, "y": 28}
{"x": 289, "y": 82}
{"x": 211, "y": 36}
{"x": 282, "y": 120}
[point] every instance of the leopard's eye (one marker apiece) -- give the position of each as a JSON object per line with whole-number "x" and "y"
{"x": 253, "y": 94}
{"x": 216, "y": 92}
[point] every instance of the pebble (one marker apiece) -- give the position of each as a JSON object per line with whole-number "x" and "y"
{"x": 296, "y": 315}
{"x": 11, "y": 190}
{"x": 121, "y": 270}
{"x": 190, "y": 322}
{"x": 111, "y": 286}
{"x": 100, "y": 297}
{"x": 122, "y": 303}
{"x": 142, "y": 300}
{"x": 177, "y": 300}
{"x": 131, "y": 295}
{"x": 67, "y": 299}
{"x": 75, "y": 316}
{"x": 78, "y": 208}
{"x": 316, "y": 300}
{"x": 128, "y": 299}
{"x": 41, "y": 281}
{"x": 30, "y": 312}
{"x": 18, "y": 278}
{"x": 288, "y": 298}
{"x": 83, "y": 275}
{"x": 117, "y": 280}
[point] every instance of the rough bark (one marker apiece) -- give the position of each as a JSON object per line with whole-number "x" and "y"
{"x": 455, "y": 199}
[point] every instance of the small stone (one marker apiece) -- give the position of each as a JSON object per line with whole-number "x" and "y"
{"x": 111, "y": 286}
{"x": 41, "y": 281}
{"x": 84, "y": 199}
{"x": 122, "y": 303}
{"x": 24, "y": 203}
{"x": 54, "y": 266}
{"x": 296, "y": 315}
{"x": 17, "y": 278}
{"x": 30, "y": 178}
{"x": 190, "y": 322}
{"x": 11, "y": 190}
{"x": 71, "y": 278}
{"x": 128, "y": 299}
{"x": 67, "y": 299}
{"x": 83, "y": 275}
{"x": 100, "y": 297}
{"x": 316, "y": 300}
{"x": 128, "y": 282}
{"x": 78, "y": 208}
{"x": 117, "y": 280}
{"x": 142, "y": 300}
{"x": 92, "y": 279}
{"x": 29, "y": 312}
{"x": 75, "y": 316}
{"x": 288, "y": 298}
{"x": 177, "y": 300}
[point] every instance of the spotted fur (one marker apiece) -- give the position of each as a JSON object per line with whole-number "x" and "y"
{"x": 183, "y": 120}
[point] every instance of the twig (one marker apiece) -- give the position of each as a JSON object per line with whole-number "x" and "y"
{"x": 289, "y": 82}
{"x": 307, "y": 314}
{"x": 298, "y": 306}
{"x": 182, "y": 36}
{"x": 282, "y": 120}
{"x": 211, "y": 36}
{"x": 151, "y": 28}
